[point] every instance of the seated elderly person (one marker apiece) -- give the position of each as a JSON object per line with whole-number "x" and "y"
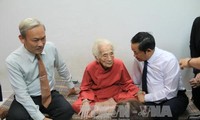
{"x": 105, "y": 82}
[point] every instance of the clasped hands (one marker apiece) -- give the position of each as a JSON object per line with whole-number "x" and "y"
{"x": 194, "y": 82}
{"x": 140, "y": 95}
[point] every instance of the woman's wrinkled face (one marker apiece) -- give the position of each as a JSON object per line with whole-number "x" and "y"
{"x": 106, "y": 56}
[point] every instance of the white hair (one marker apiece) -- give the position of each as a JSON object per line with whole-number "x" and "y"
{"x": 28, "y": 24}
{"x": 97, "y": 44}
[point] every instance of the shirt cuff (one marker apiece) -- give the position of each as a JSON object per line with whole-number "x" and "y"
{"x": 38, "y": 116}
{"x": 148, "y": 98}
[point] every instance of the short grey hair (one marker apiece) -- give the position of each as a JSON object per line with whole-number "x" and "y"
{"x": 97, "y": 44}
{"x": 28, "y": 24}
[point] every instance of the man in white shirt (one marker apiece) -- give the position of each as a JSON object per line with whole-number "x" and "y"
{"x": 24, "y": 76}
{"x": 163, "y": 78}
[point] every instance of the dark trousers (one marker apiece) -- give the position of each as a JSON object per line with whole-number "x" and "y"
{"x": 196, "y": 97}
{"x": 58, "y": 109}
{"x": 177, "y": 105}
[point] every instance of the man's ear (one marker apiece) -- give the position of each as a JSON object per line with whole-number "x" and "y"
{"x": 149, "y": 50}
{"x": 21, "y": 38}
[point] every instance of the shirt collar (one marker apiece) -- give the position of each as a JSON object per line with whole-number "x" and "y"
{"x": 154, "y": 55}
{"x": 30, "y": 55}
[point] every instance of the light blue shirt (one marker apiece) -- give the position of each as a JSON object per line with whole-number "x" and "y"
{"x": 163, "y": 76}
{"x": 24, "y": 76}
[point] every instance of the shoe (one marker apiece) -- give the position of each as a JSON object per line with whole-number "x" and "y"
{"x": 194, "y": 117}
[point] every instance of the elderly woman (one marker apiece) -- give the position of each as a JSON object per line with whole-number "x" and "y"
{"x": 105, "y": 82}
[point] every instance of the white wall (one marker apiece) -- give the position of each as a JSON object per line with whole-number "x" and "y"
{"x": 73, "y": 25}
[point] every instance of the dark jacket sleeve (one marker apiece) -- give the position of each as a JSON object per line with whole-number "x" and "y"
{"x": 1, "y": 97}
{"x": 195, "y": 41}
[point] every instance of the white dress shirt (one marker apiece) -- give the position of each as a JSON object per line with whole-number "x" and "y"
{"x": 24, "y": 76}
{"x": 163, "y": 76}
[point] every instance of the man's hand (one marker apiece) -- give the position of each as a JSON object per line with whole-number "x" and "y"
{"x": 184, "y": 63}
{"x": 195, "y": 82}
{"x": 85, "y": 110}
{"x": 140, "y": 96}
{"x": 72, "y": 92}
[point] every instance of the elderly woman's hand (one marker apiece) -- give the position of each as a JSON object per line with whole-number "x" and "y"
{"x": 85, "y": 110}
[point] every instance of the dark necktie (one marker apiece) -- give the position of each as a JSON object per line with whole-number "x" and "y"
{"x": 1, "y": 97}
{"x": 44, "y": 83}
{"x": 144, "y": 77}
